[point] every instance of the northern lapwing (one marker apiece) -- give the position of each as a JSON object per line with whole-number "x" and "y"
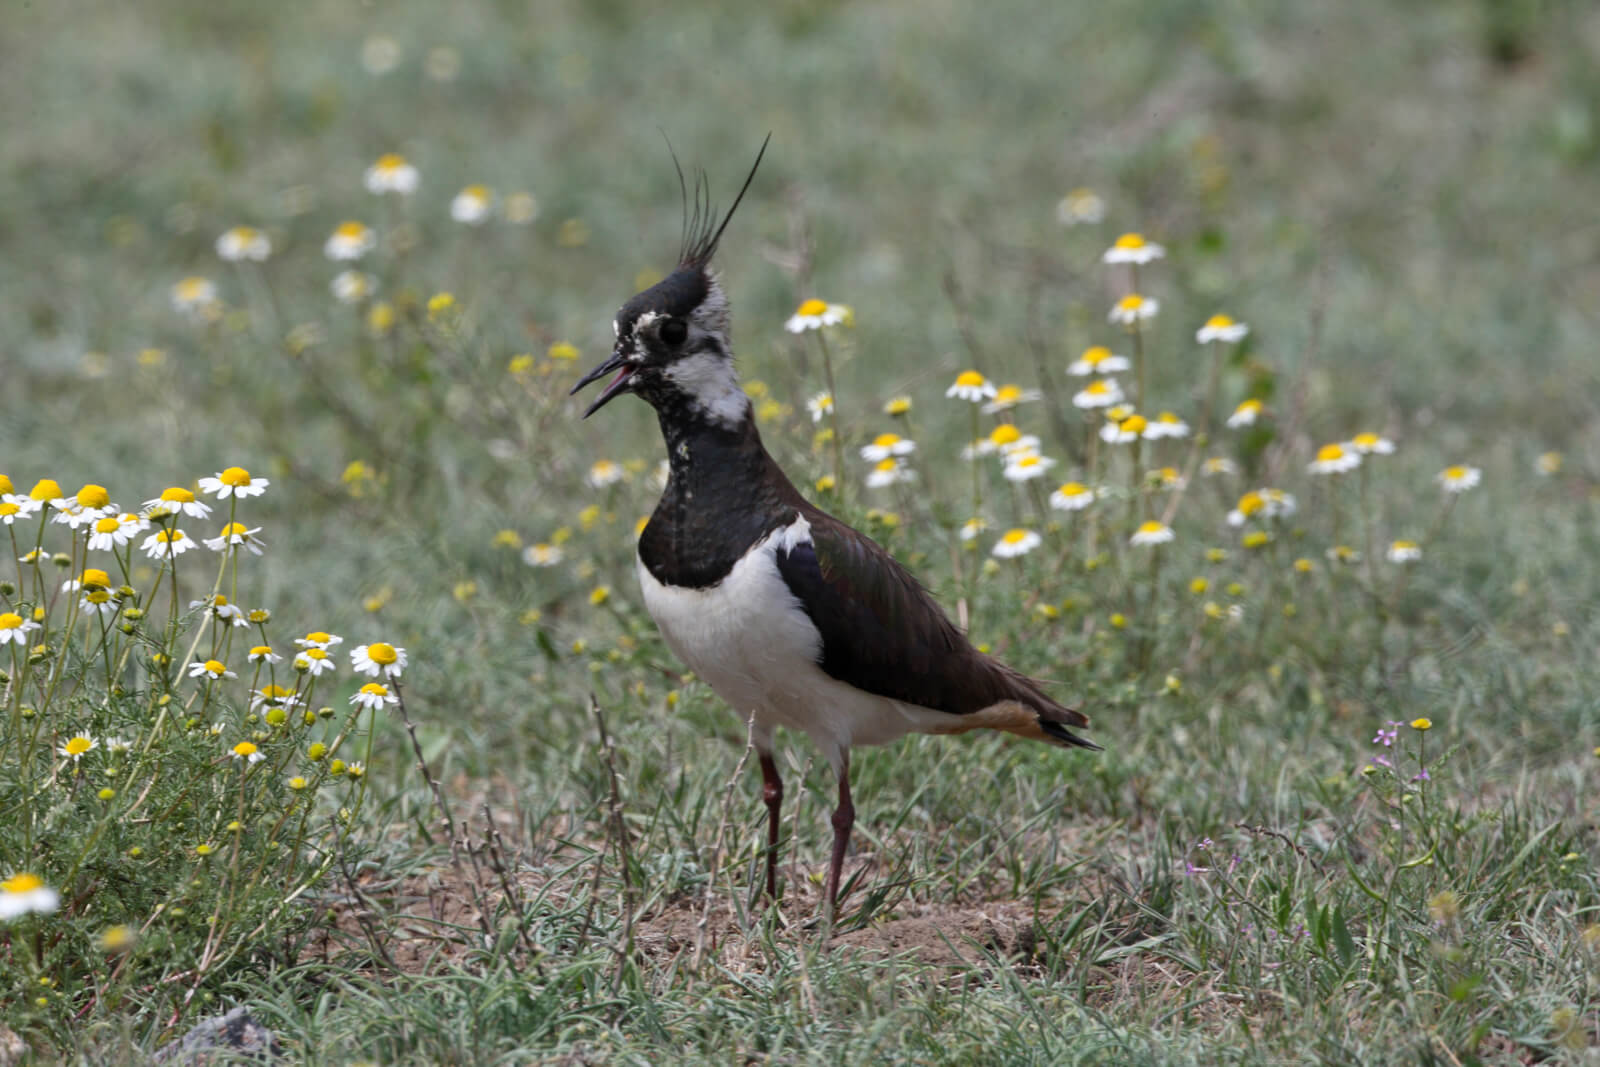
{"x": 792, "y": 617}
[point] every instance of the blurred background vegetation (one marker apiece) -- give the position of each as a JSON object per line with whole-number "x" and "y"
{"x": 1397, "y": 198}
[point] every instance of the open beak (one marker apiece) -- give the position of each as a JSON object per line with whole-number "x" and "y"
{"x": 619, "y": 384}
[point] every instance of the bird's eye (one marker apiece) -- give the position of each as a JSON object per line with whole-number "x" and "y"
{"x": 674, "y": 331}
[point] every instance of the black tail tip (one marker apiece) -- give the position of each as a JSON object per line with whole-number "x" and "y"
{"x": 1061, "y": 735}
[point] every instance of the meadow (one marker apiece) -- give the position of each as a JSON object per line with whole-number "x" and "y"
{"x": 385, "y": 748}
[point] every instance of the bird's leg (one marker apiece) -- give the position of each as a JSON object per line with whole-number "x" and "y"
{"x": 772, "y": 793}
{"x": 844, "y": 817}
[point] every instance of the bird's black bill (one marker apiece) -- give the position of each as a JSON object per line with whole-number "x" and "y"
{"x": 617, "y": 385}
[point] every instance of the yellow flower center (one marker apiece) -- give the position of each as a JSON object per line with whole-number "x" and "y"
{"x": 107, "y": 525}
{"x": 1251, "y": 503}
{"x": 215, "y": 666}
{"x": 1328, "y": 453}
{"x": 1005, "y": 434}
{"x": 244, "y": 234}
{"x": 476, "y": 192}
{"x": 315, "y": 653}
{"x": 276, "y": 692}
{"x": 351, "y": 231}
{"x": 234, "y": 528}
{"x": 1255, "y": 539}
{"x": 1098, "y": 388}
{"x": 1455, "y": 474}
{"x": 22, "y": 883}
{"x": 1219, "y": 322}
{"x": 1134, "y": 424}
{"x": 244, "y": 749}
{"x": 93, "y": 496}
{"x": 1249, "y": 406}
{"x": 1168, "y": 474}
{"x": 79, "y": 745}
{"x": 1169, "y": 418}
{"x": 1073, "y": 489}
{"x": 390, "y": 161}
{"x": 812, "y": 308}
{"x": 439, "y": 303}
{"x": 375, "y": 689}
{"x": 1151, "y": 526}
{"x": 192, "y": 288}
{"x": 261, "y": 650}
{"x": 887, "y": 464}
{"x": 970, "y": 379}
{"x": 1015, "y": 537}
{"x": 1131, "y": 302}
{"x": 10, "y": 620}
{"x": 1365, "y": 440}
{"x": 381, "y": 652}
{"x": 897, "y": 405}
{"x": 46, "y": 489}
{"x": 8, "y": 508}
{"x": 886, "y": 440}
{"x": 320, "y": 637}
{"x": 1422, "y": 724}
{"x": 563, "y": 350}
{"x": 95, "y": 577}
{"x": 1130, "y": 240}
{"x": 1026, "y": 461}
{"x": 1008, "y": 394}
{"x": 1403, "y": 546}
{"x": 234, "y": 476}
{"x": 1096, "y": 355}
{"x": 5, "y": 483}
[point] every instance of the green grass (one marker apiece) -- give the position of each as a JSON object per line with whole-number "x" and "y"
{"x": 1392, "y": 199}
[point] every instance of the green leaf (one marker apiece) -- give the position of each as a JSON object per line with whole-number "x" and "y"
{"x": 1342, "y": 939}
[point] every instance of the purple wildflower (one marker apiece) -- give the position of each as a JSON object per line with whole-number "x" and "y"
{"x": 1422, "y": 776}
{"x": 1387, "y": 737}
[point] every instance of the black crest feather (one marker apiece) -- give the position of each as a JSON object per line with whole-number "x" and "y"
{"x": 701, "y": 231}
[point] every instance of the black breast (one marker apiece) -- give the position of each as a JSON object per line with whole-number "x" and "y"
{"x": 724, "y": 495}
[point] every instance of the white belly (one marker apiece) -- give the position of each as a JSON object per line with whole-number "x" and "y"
{"x": 750, "y": 640}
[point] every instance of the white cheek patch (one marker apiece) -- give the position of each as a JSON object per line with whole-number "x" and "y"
{"x": 645, "y": 320}
{"x": 708, "y": 380}
{"x": 616, "y": 330}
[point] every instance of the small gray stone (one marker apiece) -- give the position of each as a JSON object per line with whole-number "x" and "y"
{"x": 229, "y": 1038}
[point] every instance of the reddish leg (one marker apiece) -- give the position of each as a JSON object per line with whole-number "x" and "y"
{"x": 772, "y": 793}
{"x": 844, "y": 817}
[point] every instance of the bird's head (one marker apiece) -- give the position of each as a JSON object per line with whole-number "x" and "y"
{"x": 672, "y": 340}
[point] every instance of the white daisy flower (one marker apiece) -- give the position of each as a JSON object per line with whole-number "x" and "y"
{"x": 14, "y": 628}
{"x": 820, "y": 405}
{"x": 163, "y": 543}
{"x": 1016, "y": 542}
{"x": 11, "y": 509}
{"x": 378, "y": 660}
{"x": 1151, "y": 532}
{"x": 110, "y": 533}
{"x": 604, "y": 472}
{"x": 890, "y": 471}
{"x": 177, "y": 501}
{"x": 1371, "y": 444}
{"x": 1221, "y": 328}
{"x": 1245, "y": 414}
{"x": 391, "y": 174}
{"x": 244, "y": 242}
{"x": 235, "y": 533}
{"x": 1459, "y": 479}
{"x": 319, "y": 639}
{"x": 1166, "y": 424}
{"x": 1133, "y": 309}
{"x": 1129, "y": 429}
{"x": 473, "y": 205}
{"x": 972, "y": 528}
{"x": 1133, "y": 248}
{"x": 194, "y": 296}
{"x": 98, "y": 602}
{"x": 521, "y": 208}
{"x": 352, "y": 286}
{"x": 815, "y": 314}
{"x": 1027, "y": 466}
{"x": 314, "y": 661}
{"x": 1100, "y": 393}
{"x": 542, "y": 555}
{"x": 887, "y": 444}
{"x": 263, "y": 654}
{"x": 77, "y": 747}
{"x": 248, "y": 751}
{"x": 350, "y": 241}
{"x": 1080, "y": 207}
{"x": 210, "y": 669}
{"x": 972, "y": 386}
{"x": 23, "y": 893}
{"x": 1404, "y": 552}
{"x": 1215, "y": 465}
{"x": 373, "y": 696}
{"x": 1072, "y": 496}
{"x": 1098, "y": 359}
{"x": 1334, "y": 459}
{"x": 118, "y": 745}
{"x": 1007, "y": 397}
{"x": 235, "y": 481}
